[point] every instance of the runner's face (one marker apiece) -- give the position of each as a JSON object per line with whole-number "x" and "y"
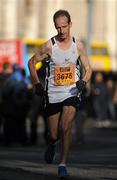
{"x": 63, "y": 27}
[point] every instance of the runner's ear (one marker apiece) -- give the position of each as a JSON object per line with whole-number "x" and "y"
{"x": 70, "y": 23}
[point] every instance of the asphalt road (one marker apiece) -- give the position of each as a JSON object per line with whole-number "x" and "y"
{"x": 95, "y": 159}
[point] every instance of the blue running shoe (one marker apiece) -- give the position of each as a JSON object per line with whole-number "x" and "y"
{"x": 50, "y": 153}
{"x": 62, "y": 172}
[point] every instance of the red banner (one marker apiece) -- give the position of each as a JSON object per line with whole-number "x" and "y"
{"x": 11, "y": 51}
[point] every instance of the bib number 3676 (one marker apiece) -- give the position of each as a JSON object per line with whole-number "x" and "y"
{"x": 64, "y": 75}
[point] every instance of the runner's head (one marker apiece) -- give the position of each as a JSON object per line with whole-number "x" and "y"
{"x": 60, "y": 13}
{"x": 62, "y": 22}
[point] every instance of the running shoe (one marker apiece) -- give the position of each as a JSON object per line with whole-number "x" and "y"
{"x": 62, "y": 172}
{"x": 50, "y": 153}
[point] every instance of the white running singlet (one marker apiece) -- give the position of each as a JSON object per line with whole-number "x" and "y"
{"x": 63, "y": 72}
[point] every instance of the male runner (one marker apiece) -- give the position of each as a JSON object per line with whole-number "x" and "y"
{"x": 63, "y": 84}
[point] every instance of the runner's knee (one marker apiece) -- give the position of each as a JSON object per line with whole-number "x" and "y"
{"x": 66, "y": 127}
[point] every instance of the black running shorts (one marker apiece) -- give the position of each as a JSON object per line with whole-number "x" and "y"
{"x": 54, "y": 108}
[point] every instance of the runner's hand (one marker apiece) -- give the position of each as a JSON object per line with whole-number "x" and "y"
{"x": 80, "y": 85}
{"x": 39, "y": 90}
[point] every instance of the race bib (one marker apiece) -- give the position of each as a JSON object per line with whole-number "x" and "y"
{"x": 64, "y": 75}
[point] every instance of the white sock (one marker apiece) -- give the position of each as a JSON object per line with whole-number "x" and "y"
{"x": 61, "y": 164}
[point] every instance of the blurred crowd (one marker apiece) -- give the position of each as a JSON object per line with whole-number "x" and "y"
{"x": 104, "y": 97}
{"x": 18, "y": 102}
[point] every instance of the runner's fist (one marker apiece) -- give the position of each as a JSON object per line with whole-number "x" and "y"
{"x": 80, "y": 85}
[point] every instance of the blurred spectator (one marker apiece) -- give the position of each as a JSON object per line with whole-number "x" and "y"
{"x": 100, "y": 95}
{"x": 37, "y": 109}
{"x": 109, "y": 100}
{"x": 16, "y": 102}
{"x": 115, "y": 99}
{"x": 7, "y": 70}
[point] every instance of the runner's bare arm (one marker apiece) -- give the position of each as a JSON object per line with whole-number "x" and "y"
{"x": 85, "y": 62}
{"x": 43, "y": 50}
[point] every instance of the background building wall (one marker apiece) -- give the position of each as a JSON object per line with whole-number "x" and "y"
{"x": 34, "y": 19}
{"x": 9, "y": 19}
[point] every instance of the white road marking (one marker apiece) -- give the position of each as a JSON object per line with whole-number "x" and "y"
{"x": 75, "y": 170}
